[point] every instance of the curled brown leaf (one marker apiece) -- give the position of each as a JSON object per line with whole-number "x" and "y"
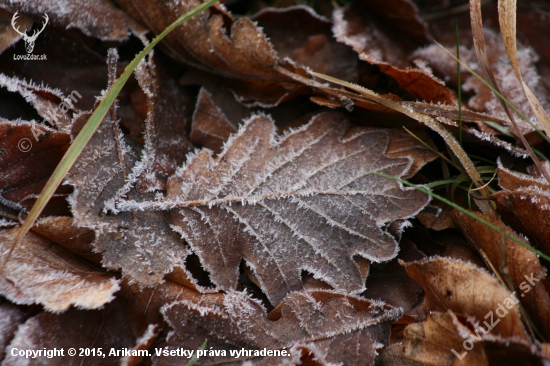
{"x": 522, "y": 266}
{"x": 40, "y": 272}
{"x": 466, "y": 289}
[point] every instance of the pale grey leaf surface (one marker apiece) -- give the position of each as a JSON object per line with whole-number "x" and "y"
{"x": 335, "y": 328}
{"x": 304, "y": 201}
{"x": 168, "y": 117}
{"x": 141, "y": 244}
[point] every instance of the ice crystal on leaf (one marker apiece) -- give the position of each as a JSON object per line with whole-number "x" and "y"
{"x": 326, "y": 323}
{"x": 305, "y": 201}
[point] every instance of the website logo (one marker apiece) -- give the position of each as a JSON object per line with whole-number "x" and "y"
{"x": 29, "y": 40}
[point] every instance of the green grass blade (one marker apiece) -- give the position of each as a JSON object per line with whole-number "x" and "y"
{"x": 90, "y": 127}
{"x": 194, "y": 358}
{"x": 470, "y": 197}
{"x": 469, "y": 213}
{"x": 481, "y": 158}
{"x": 499, "y": 128}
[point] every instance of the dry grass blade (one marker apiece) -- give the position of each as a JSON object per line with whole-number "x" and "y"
{"x": 507, "y": 20}
{"x": 505, "y": 103}
{"x": 508, "y": 28}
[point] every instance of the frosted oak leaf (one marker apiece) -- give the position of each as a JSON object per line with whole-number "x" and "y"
{"x": 334, "y": 328}
{"x": 304, "y": 201}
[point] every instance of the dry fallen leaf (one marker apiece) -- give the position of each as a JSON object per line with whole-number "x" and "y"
{"x": 212, "y": 40}
{"x": 291, "y": 203}
{"x": 26, "y": 163}
{"x": 528, "y": 276}
{"x": 447, "y": 339}
{"x": 10, "y": 319}
{"x": 466, "y": 289}
{"x": 510, "y": 180}
{"x": 168, "y": 114}
{"x": 527, "y": 211}
{"x": 103, "y": 329}
{"x": 41, "y": 272}
{"x": 289, "y": 241}
{"x": 431, "y": 343}
{"x": 378, "y": 46}
{"x": 336, "y": 327}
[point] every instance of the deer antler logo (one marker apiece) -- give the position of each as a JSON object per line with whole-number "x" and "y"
{"x": 29, "y": 40}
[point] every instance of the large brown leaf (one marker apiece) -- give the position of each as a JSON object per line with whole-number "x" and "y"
{"x": 304, "y": 201}
{"x": 322, "y": 325}
{"x": 335, "y": 327}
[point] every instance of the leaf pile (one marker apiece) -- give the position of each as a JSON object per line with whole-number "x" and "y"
{"x": 233, "y": 195}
